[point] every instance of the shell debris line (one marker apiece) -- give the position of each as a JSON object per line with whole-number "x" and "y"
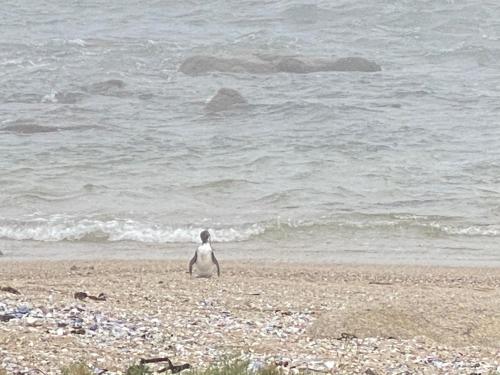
{"x": 335, "y": 319}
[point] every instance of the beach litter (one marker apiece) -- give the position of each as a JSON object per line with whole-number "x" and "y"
{"x": 9, "y": 289}
{"x": 83, "y": 295}
{"x": 174, "y": 369}
{"x": 201, "y": 325}
{"x": 6, "y": 317}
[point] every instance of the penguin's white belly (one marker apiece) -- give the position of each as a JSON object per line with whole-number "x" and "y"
{"x": 204, "y": 264}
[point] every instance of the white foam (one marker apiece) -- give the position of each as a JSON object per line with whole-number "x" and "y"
{"x": 78, "y": 42}
{"x": 472, "y": 230}
{"x": 16, "y": 62}
{"x": 68, "y": 228}
{"x": 64, "y": 228}
{"x": 50, "y": 98}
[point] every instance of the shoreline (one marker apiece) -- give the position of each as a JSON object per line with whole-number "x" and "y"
{"x": 252, "y": 262}
{"x": 160, "y": 255}
{"x": 257, "y": 262}
{"x": 263, "y": 252}
{"x": 331, "y": 317}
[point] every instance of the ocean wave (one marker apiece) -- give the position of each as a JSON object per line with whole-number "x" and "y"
{"x": 29, "y": 127}
{"x": 22, "y": 126}
{"x": 65, "y": 228}
{"x": 395, "y": 224}
{"x": 222, "y": 184}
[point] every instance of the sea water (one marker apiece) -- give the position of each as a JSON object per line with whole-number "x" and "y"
{"x": 107, "y": 149}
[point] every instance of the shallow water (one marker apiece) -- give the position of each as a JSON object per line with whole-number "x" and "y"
{"x": 105, "y": 145}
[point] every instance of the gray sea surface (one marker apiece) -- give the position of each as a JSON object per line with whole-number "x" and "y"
{"x": 107, "y": 150}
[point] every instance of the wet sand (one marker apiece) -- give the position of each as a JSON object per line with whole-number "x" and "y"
{"x": 329, "y": 318}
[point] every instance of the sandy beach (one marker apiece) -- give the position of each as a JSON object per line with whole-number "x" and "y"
{"x": 337, "y": 319}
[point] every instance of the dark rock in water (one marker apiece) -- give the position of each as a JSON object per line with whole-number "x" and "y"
{"x": 305, "y": 14}
{"x": 24, "y": 98}
{"x": 147, "y": 96}
{"x": 69, "y": 97}
{"x": 109, "y": 87}
{"x": 197, "y": 65}
{"x": 293, "y": 65}
{"x": 225, "y": 99}
{"x": 345, "y": 64}
{"x": 23, "y": 127}
{"x": 350, "y": 64}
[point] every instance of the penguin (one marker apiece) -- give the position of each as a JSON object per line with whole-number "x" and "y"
{"x": 204, "y": 258}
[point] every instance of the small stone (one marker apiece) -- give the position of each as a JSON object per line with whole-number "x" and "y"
{"x": 329, "y": 365}
{"x": 31, "y": 321}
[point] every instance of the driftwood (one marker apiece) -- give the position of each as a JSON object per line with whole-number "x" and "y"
{"x": 40, "y": 371}
{"x": 379, "y": 283}
{"x": 9, "y": 289}
{"x": 100, "y": 297}
{"x": 347, "y": 336}
{"x": 6, "y": 317}
{"x": 173, "y": 368}
{"x": 153, "y": 360}
{"x": 82, "y": 296}
{"x": 309, "y": 369}
{"x": 281, "y": 363}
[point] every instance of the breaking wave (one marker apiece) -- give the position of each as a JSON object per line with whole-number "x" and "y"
{"x": 427, "y": 225}
{"x": 66, "y": 228}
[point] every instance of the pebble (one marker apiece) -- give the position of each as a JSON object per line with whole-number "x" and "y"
{"x": 112, "y": 336}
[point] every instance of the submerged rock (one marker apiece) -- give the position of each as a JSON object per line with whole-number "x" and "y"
{"x": 69, "y": 97}
{"x": 22, "y": 127}
{"x": 28, "y": 127}
{"x": 225, "y": 99}
{"x": 110, "y": 87}
{"x": 350, "y": 64}
{"x": 202, "y": 64}
{"x": 293, "y": 65}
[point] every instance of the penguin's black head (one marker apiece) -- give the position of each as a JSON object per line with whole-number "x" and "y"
{"x": 205, "y": 236}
